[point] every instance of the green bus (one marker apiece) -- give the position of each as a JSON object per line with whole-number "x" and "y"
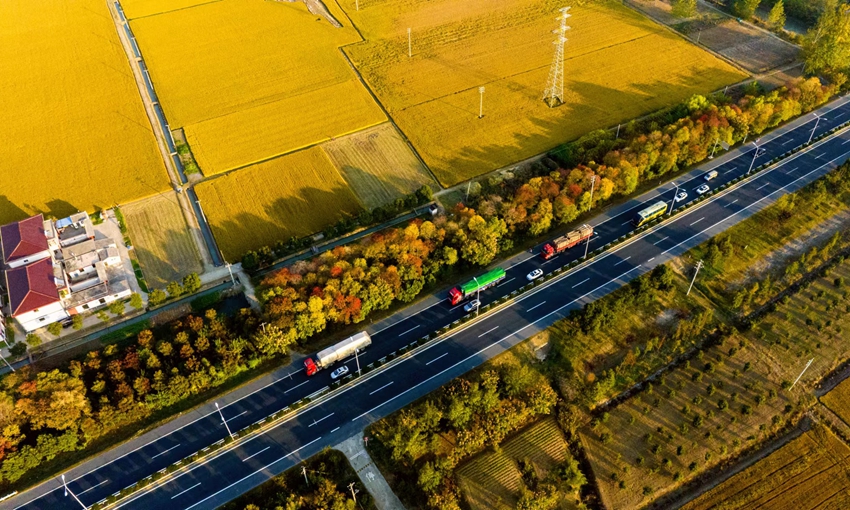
{"x": 650, "y": 213}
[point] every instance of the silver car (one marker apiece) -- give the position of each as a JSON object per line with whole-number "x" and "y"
{"x": 339, "y": 372}
{"x": 472, "y": 305}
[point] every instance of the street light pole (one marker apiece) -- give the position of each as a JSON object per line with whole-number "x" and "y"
{"x": 357, "y": 360}
{"x": 477, "y": 295}
{"x": 699, "y": 266}
{"x": 673, "y": 201}
{"x": 716, "y": 141}
{"x": 68, "y": 491}
{"x": 224, "y": 421}
{"x": 481, "y": 102}
{"x": 814, "y": 128}
{"x": 755, "y": 155}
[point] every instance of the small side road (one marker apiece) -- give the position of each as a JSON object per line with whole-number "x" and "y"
{"x": 355, "y": 450}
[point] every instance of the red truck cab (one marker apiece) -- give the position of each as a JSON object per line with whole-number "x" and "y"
{"x": 310, "y": 366}
{"x": 455, "y": 296}
{"x": 548, "y": 251}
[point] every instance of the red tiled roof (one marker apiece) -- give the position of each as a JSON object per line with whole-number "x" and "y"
{"x": 23, "y": 238}
{"x": 31, "y": 287}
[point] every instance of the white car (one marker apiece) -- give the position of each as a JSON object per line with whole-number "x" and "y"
{"x": 339, "y": 372}
{"x": 537, "y": 273}
{"x": 702, "y": 189}
{"x": 472, "y": 305}
{"x": 681, "y": 196}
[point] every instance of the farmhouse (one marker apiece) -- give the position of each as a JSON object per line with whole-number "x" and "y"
{"x": 58, "y": 269}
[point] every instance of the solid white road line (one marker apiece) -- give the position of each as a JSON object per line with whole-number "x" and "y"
{"x": 187, "y": 490}
{"x": 408, "y": 331}
{"x": 656, "y": 243}
{"x": 237, "y": 416}
{"x": 506, "y": 281}
{"x": 694, "y": 223}
{"x": 382, "y": 387}
{"x": 581, "y": 282}
{"x": 763, "y": 186}
{"x": 255, "y": 454}
{"x": 320, "y": 419}
{"x": 488, "y": 331}
{"x": 625, "y": 259}
{"x": 438, "y": 357}
{"x": 90, "y": 488}
{"x": 166, "y": 451}
{"x": 530, "y": 324}
{"x": 296, "y": 386}
{"x": 536, "y": 306}
{"x": 254, "y": 473}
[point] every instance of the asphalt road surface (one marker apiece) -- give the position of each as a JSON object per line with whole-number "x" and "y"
{"x": 345, "y": 412}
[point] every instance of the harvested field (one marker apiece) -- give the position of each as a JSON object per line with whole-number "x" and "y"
{"x": 75, "y": 134}
{"x": 161, "y": 239}
{"x": 240, "y": 103}
{"x": 294, "y": 195}
{"x": 751, "y": 48}
{"x": 378, "y": 165}
{"x": 505, "y": 45}
{"x": 811, "y": 472}
{"x": 838, "y": 400}
{"x": 491, "y": 480}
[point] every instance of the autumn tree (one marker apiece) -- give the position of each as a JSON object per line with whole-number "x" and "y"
{"x": 776, "y": 17}
{"x": 827, "y": 45}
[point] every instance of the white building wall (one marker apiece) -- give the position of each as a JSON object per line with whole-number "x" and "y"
{"x": 100, "y": 302}
{"x": 42, "y": 317}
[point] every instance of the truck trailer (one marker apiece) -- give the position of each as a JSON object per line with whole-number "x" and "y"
{"x": 479, "y": 283}
{"x": 567, "y": 241}
{"x": 334, "y": 353}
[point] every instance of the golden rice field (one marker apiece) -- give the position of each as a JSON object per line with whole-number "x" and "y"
{"x": 74, "y": 134}
{"x": 490, "y": 480}
{"x": 618, "y": 65}
{"x": 249, "y": 80}
{"x": 297, "y": 194}
{"x": 838, "y": 400}
{"x": 378, "y": 165}
{"x": 811, "y": 472}
{"x": 161, "y": 239}
{"x": 142, "y": 8}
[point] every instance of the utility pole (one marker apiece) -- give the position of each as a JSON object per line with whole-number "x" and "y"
{"x": 801, "y": 373}
{"x": 618, "y": 133}
{"x": 554, "y": 93}
{"x": 353, "y": 492}
{"x": 673, "y": 201}
{"x": 224, "y": 421}
{"x": 467, "y": 189}
{"x": 357, "y": 4}
{"x": 6, "y": 361}
{"x": 716, "y": 141}
{"x": 699, "y": 266}
{"x": 68, "y": 491}
{"x": 409, "y": 44}
{"x": 481, "y": 102}
{"x": 230, "y": 270}
{"x": 304, "y": 472}
{"x": 814, "y": 128}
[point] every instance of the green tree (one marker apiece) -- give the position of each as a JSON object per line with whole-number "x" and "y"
{"x": 136, "y": 300}
{"x": 745, "y": 8}
{"x": 191, "y": 283}
{"x": 827, "y": 45}
{"x": 33, "y": 340}
{"x": 54, "y": 328}
{"x": 17, "y": 348}
{"x": 116, "y": 307}
{"x": 271, "y": 340}
{"x": 174, "y": 289}
{"x": 429, "y": 477}
{"x": 157, "y": 297}
{"x": 77, "y": 322}
{"x": 776, "y": 17}
{"x": 684, "y": 8}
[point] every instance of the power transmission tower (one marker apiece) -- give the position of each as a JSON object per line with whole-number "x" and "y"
{"x": 554, "y": 94}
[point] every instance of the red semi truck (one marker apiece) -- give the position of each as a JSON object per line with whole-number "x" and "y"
{"x": 334, "y": 353}
{"x": 564, "y": 242}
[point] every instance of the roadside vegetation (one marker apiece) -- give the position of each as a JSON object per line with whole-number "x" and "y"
{"x": 727, "y": 355}
{"x": 347, "y": 284}
{"x": 326, "y": 487}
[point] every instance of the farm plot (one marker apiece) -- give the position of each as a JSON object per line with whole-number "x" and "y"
{"x": 491, "y": 480}
{"x": 75, "y": 135}
{"x": 161, "y": 239}
{"x": 505, "y": 46}
{"x": 141, "y": 8}
{"x": 751, "y": 48}
{"x": 378, "y": 165}
{"x": 240, "y": 103}
{"x": 294, "y": 195}
{"x": 838, "y": 400}
{"x": 811, "y": 472}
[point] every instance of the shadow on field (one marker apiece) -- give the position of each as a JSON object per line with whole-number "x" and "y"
{"x": 375, "y": 190}
{"x": 10, "y": 212}
{"x": 175, "y": 257}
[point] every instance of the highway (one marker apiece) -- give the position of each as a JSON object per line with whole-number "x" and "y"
{"x": 346, "y": 411}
